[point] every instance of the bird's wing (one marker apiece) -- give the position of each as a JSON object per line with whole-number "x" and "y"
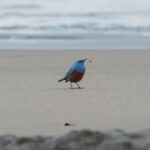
{"x": 69, "y": 72}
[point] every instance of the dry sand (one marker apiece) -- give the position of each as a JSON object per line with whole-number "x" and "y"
{"x": 116, "y": 92}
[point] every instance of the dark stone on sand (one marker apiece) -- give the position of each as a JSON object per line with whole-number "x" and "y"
{"x": 67, "y": 124}
{"x": 80, "y": 140}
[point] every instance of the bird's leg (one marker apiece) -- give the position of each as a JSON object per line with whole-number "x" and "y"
{"x": 70, "y": 85}
{"x": 78, "y": 85}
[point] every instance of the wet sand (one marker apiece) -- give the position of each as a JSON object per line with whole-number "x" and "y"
{"x": 116, "y": 92}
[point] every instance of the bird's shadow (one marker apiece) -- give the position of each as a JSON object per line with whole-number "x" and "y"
{"x": 69, "y": 88}
{"x": 76, "y": 88}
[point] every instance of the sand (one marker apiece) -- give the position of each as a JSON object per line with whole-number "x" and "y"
{"x": 116, "y": 92}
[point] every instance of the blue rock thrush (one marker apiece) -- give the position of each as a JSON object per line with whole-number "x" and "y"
{"x": 75, "y": 73}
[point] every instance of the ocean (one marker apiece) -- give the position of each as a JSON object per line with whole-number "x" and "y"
{"x": 49, "y": 21}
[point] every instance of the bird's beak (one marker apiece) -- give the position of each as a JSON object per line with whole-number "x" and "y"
{"x": 85, "y": 59}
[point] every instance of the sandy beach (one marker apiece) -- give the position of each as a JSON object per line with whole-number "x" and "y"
{"x": 115, "y": 95}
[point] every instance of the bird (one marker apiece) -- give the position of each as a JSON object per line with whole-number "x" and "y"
{"x": 75, "y": 73}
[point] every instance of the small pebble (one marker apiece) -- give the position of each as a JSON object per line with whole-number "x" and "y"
{"x": 67, "y": 124}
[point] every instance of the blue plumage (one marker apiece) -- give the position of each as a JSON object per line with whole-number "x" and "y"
{"x": 77, "y": 67}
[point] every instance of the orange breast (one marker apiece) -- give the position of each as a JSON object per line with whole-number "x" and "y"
{"x": 76, "y": 76}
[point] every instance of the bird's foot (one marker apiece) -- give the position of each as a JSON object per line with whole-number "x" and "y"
{"x": 78, "y": 86}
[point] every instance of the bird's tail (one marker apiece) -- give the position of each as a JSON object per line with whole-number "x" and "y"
{"x": 61, "y": 80}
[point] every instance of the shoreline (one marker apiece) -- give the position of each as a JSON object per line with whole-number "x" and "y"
{"x": 82, "y": 42}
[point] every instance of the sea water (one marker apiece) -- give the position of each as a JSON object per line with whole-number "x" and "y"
{"x": 36, "y": 21}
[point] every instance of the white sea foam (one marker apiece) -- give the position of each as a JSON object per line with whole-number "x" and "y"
{"x": 44, "y": 18}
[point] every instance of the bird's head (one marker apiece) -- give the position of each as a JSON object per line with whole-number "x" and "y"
{"x": 81, "y": 61}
